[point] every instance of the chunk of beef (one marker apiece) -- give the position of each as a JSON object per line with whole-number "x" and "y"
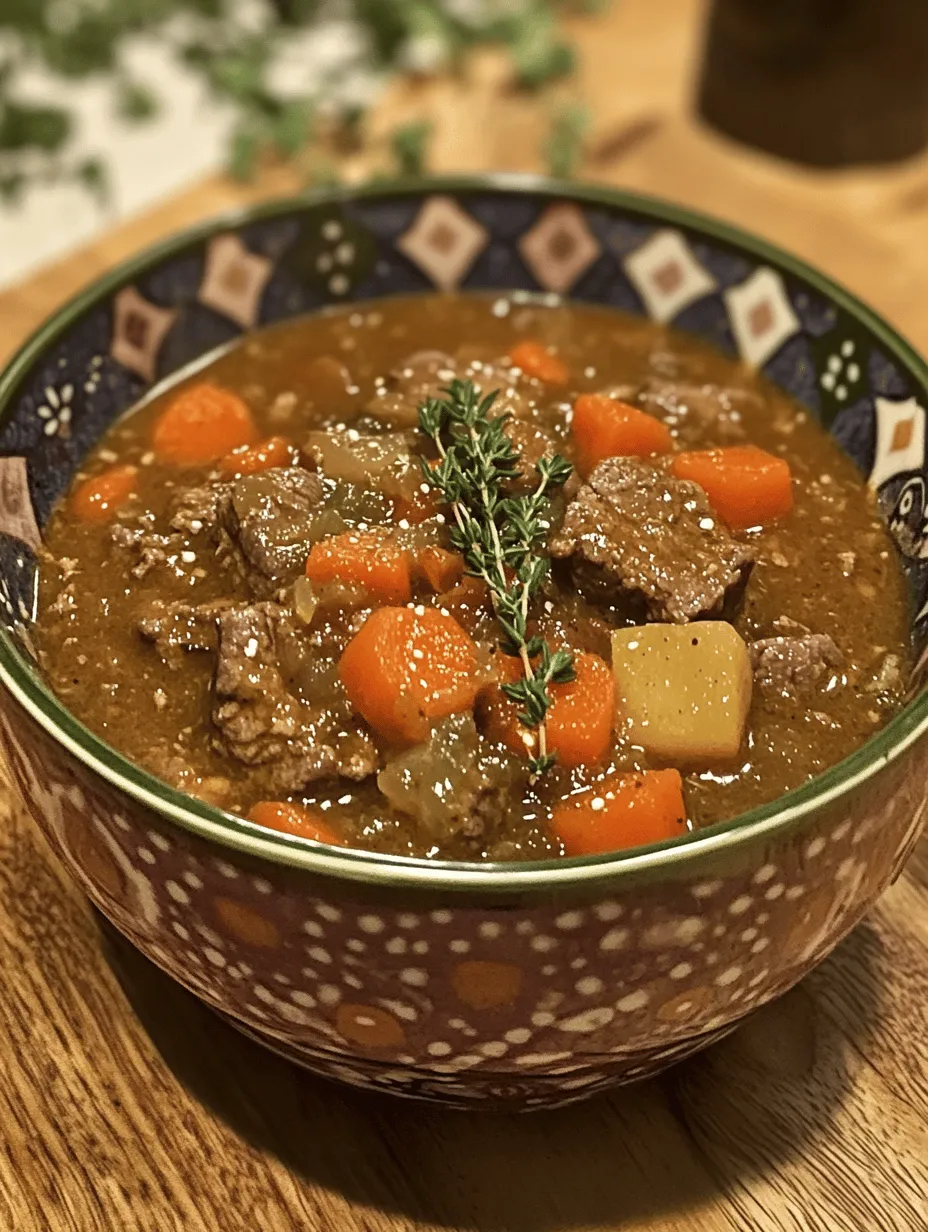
{"x": 423, "y": 375}
{"x": 147, "y": 549}
{"x": 197, "y": 509}
{"x": 516, "y": 394}
{"x": 263, "y": 725}
{"x": 650, "y": 545}
{"x": 793, "y": 665}
{"x": 426, "y": 374}
{"x": 453, "y": 783}
{"x": 266, "y": 523}
{"x": 178, "y": 627}
{"x": 699, "y": 414}
{"x": 532, "y": 443}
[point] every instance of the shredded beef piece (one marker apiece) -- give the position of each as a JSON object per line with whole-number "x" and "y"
{"x": 146, "y": 547}
{"x": 650, "y": 545}
{"x": 791, "y": 665}
{"x": 262, "y": 724}
{"x": 197, "y": 509}
{"x": 178, "y": 627}
{"x": 699, "y": 413}
{"x": 264, "y": 525}
{"x": 65, "y": 601}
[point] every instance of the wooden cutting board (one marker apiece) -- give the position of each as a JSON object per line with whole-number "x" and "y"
{"x": 126, "y": 1105}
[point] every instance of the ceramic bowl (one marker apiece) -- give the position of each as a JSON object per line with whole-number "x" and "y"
{"x": 523, "y": 986}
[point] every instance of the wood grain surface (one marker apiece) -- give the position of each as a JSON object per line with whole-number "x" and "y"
{"x": 125, "y": 1105}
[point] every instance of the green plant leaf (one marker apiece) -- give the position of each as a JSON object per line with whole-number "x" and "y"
{"x": 24, "y": 126}
{"x": 135, "y": 102}
{"x": 240, "y": 76}
{"x": 89, "y": 47}
{"x": 564, "y": 145}
{"x": 538, "y": 54}
{"x": 385, "y": 25}
{"x": 291, "y": 128}
{"x": 92, "y": 174}
{"x": 12, "y": 187}
{"x": 243, "y": 153}
{"x": 409, "y": 144}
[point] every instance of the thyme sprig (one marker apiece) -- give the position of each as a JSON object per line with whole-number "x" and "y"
{"x": 498, "y": 535}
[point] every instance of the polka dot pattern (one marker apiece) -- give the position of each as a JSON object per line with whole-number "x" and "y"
{"x": 535, "y": 1005}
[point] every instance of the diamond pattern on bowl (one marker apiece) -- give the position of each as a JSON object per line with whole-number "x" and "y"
{"x": 234, "y": 280}
{"x": 139, "y": 329}
{"x": 900, "y": 439}
{"x": 667, "y": 276}
{"x": 444, "y": 241}
{"x": 762, "y": 317}
{"x": 559, "y": 247}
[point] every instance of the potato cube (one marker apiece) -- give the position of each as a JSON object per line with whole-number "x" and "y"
{"x": 684, "y": 690}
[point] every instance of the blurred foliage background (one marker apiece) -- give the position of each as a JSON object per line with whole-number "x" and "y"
{"x": 302, "y": 108}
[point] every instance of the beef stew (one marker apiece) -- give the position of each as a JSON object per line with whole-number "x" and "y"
{"x": 255, "y": 591}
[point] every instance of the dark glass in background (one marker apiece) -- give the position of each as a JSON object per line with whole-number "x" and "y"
{"x": 824, "y": 82}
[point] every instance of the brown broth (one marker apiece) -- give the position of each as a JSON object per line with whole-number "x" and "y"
{"x": 824, "y": 566}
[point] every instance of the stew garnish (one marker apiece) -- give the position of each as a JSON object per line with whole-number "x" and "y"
{"x": 498, "y": 535}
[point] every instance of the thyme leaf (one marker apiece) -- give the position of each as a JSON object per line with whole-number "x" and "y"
{"x": 499, "y": 535}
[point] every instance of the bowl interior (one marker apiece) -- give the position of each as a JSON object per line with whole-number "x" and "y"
{"x": 177, "y": 303}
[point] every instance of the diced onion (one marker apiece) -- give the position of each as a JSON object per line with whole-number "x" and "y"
{"x": 305, "y": 600}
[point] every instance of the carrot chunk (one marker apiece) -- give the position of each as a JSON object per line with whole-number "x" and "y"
{"x": 442, "y": 570}
{"x": 294, "y": 819}
{"x": 417, "y": 508}
{"x": 98, "y": 498}
{"x": 536, "y": 360}
{"x": 202, "y": 424}
{"x": 626, "y": 810}
{"x": 607, "y": 428}
{"x": 365, "y": 558}
{"x": 252, "y": 459}
{"x": 408, "y": 667}
{"x": 579, "y": 721}
{"x": 745, "y": 485}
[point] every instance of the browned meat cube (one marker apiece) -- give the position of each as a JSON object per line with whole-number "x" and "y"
{"x": 651, "y": 546}
{"x": 791, "y": 665}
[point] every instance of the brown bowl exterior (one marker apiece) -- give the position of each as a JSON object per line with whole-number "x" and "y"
{"x": 498, "y": 1004}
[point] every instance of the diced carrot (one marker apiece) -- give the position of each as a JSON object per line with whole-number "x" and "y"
{"x": 441, "y": 569}
{"x": 745, "y": 485}
{"x": 579, "y": 721}
{"x": 98, "y": 498}
{"x": 421, "y": 504}
{"x": 251, "y": 459}
{"x": 408, "y": 667}
{"x": 625, "y": 810}
{"x": 294, "y": 819}
{"x": 416, "y": 508}
{"x": 536, "y": 360}
{"x": 202, "y": 424}
{"x": 607, "y": 428}
{"x": 365, "y": 558}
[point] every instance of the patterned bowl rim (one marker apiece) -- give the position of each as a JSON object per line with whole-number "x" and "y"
{"x": 21, "y": 678}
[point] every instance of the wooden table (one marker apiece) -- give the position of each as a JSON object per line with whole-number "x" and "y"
{"x": 126, "y": 1105}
